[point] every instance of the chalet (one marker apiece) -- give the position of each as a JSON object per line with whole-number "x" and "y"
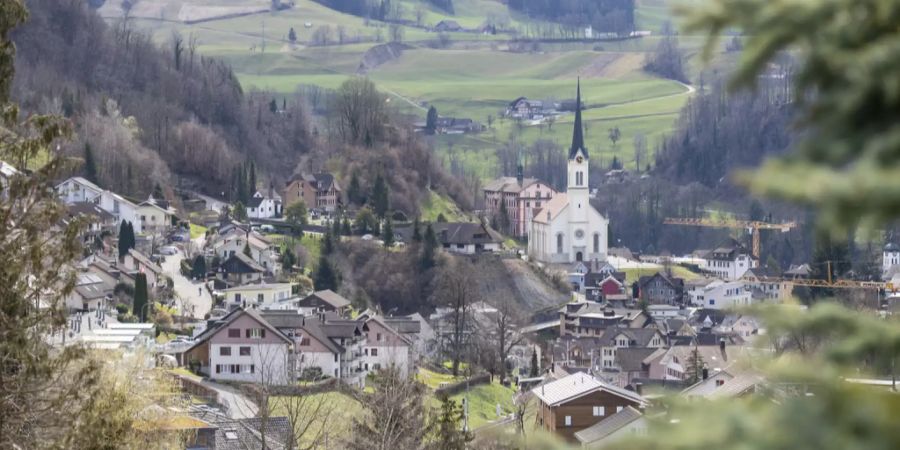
{"x": 447, "y": 25}
{"x": 155, "y": 215}
{"x": 466, "y": 237}
{"x": 325, "y": 301}
{"x": 242, "y": 346}
{"x": 616, "y": 338}
{"x": 524, "y": 108}
{"x": 579, "y": 401}
{"x": 240, "y": 269}
{"x": 320, "y": 191}
{"x": 674, "y": 363}
{"x": 661, "y": 289}
{"x": 591, "y": 319}
{"x": 729, "y": 261}
{"x": 624, "y": 424}
{"x": 521, "y": 197}
{"x": 633, "y": 364}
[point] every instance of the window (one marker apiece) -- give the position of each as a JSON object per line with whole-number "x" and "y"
{"x": 599, "y": 411}
{"x": 256, "y": 333}
{"x": 244, "y": 351}
{"x": 374, "y": 352}
{"x": 304, "y": 341}
{"x": 224, "y": 351}
{"x": 378, "y": 337}
{"x": 234, "y": 332}
{"x": 218, "y": 368}
{"x": 618, "y": 408}
{"x": 568, "y": 421}
{"x": 376, "y": 366}
{"x": 596, "y": 243}
{"x": 237, "y": 299}
{"x": 366, "y": 352}
{"x": 260, "y": 298}
{"x": 719, "y": 382}
{"x": 559, "y": 243}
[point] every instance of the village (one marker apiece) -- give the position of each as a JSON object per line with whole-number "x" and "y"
{"x": 215, "y": 302}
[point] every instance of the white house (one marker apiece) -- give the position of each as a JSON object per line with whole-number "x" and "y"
{"x": 257, "y": 294}
{"x": 720, "y": 294}
{"x": 77, "y": 189}
{"x": 121, "y": 208}
{"x": 568, "y": 228}
{"x": 729, "y": 261}
{"x": 262, "y": 251}
{"x": 264, "y": 206}
{"x": 890, "y": 258}
{"x": 153, "y": 217}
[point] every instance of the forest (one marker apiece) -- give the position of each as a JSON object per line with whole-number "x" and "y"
{"x": 605, "y": 16}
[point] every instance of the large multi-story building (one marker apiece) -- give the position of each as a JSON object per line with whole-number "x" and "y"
{"x": 519, "y": 197}
{"x": 319, "y": 191}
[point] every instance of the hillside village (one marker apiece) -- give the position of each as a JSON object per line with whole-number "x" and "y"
{"x": 280, "y": 254}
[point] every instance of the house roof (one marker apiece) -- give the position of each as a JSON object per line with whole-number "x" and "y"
{"x": 631, "y": 359}
{"x": 310, "y": 326}
{"x": 332, "y": 298}
{"x": 231, "y": 317}
{"x": 577, "y": 385}
{"x": 390, "y": 328}
{"x": 737, "y": 386}
{"x": 509, "y": 184}
{"x": 608, "y": 425}
{"x": 258, "y": 287}
{"x": 803, "y": 270}
{"x": 242, "y": 434}
{"x": 675, "y": 283}
{"x": 254, "y": 202}
{"x": 638, "y": 337}
{"x": 82, "y": 181}
{"x": 143, "y": 259}
{"x": 553, "y": 208}
{"x": 7, "y": 170}
{"x": 90, "y": 209}
{"x": 248, "y": 262}
{"x": 706, "y": 387}
{"x": 465, "y": 233}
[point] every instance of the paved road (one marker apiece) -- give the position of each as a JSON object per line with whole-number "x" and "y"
{"x": 196, "y": 297}
{"x": 239, "y": 406}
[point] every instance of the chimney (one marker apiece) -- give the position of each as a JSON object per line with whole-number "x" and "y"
{"x": 639, "y": 388}
{"x": 722, "y": 345}
{"x": 705, "y": 373}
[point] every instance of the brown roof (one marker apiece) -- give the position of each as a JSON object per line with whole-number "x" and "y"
{"x": 332, "y": 298}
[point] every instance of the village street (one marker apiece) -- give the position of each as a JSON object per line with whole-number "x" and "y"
{"x": 196, "y": 298}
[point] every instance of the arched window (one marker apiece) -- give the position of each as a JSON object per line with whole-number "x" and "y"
{"x": 596, "y": 242}
{"x": 559, "y": 243}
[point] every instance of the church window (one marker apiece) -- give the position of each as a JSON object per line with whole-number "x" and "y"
{"x": 596, "y": 243}
{"x": 559, "y": 243}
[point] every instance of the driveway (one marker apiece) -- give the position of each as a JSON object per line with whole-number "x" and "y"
{"x": 239, "y": 406}
{"x": 197, "y": 300}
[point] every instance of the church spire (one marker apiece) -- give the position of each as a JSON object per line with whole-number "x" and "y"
{"x": 577, "y": 133}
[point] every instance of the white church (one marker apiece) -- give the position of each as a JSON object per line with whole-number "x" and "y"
{"x": 568, "y": 228}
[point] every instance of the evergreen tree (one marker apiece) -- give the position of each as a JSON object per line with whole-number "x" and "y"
{"x": 428, "y": 250}
{"x": 158, "y": 192}
{"x": 141, "y": 297}
{"x": 292, "y": 35}
{"x": 327, "y": 243}
{"x": 336, "y": 227}
{"x": 345, "y": 229}
{"x": 380, "y": 195}
{"x": 417, "y": 233}
{"x": 448, "y": 432}
{"x": 288, "y": 260}
{"x": 831, "y": 260}
{"x": 273, "y": 106}
{"x": 535, "y": 370}
{"x": 239, "y": 211}
{"x": 123, "y": 239}
{"x": 198, "y": 270}
{"x": 251, "y": 180}
{"x": 503, "y": 217}
{"x": 694, "y": 369}
{"x": 441, "y": 218}
{"x": 354, "y": 190}
{"x": 90, "y": 166}
{"x": 387, "y": 233}
{"x": 325, "y": 276}
{"x": 431, "y": 120}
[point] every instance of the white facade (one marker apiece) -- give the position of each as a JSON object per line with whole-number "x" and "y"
{"x": 260, "y": 251}
{"x": 258, "y": 294}
{"x": 250, "y": 362}
{"x": 121, "y": 208}
{"x": 76, "y": 190}
{"x": 730, "y": 269}
{"x": 720, "y": 294}
{"x": 470, "y": 249}
{"x": 269, "y": 206}
{"x": 890, "y": 258}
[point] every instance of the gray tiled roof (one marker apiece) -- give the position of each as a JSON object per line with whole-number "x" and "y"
{"x": 608, "y": 425}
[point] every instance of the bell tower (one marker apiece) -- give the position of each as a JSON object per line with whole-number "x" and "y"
{"x": 577, "y": 189}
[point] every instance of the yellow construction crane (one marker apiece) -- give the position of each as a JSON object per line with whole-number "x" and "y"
{"x": 753, "y": 225}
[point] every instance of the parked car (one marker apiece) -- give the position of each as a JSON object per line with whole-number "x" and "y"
{"x": 367, "y": 237}
{"x": 267, "y": 228}
{"x": 177, "y": 238}
{"x": 168, "y": 250}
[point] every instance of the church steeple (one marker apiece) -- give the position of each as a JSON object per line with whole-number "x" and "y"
{"x": 577, "y": 133}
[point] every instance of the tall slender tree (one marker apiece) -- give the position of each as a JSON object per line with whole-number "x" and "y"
{"x": 141, "y": 297}
{"x": 90, "y": 166}
{"x": 387, "y": 233}
{"x": 380, "y": 197}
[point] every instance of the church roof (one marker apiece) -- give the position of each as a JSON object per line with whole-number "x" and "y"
{"x": 555, "y": 206}
{"x": 578, "y": 131}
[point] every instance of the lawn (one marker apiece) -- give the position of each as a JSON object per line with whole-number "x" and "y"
{"x": 313, "y": 245}
{"x": 632, "y": 275}
{"x": 197, "y": 231}
{"x": 437, "y": 204}
{"x": 338, "y": 411}
{"x": 434, "y": 379}
{"x": 483, "y": 400}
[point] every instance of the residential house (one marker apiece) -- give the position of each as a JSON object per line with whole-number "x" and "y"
{"x": 599, "y": 286}
{"x": 719, "y": 294}
{"x": 768, "y": 283}
{"x": 802, "y": 271}
{"x": 264, "y": 205}
{"x": 674, "y": 364}
{"x": 447, "y": 25}
{"x": 7, "y": 172}
{"x": 890, "y": 257}
{"x": 122, "y": 209}
{"x": 240, "y": 269}
{"x": 256, "y": 294}
{"x": 78, "y": 190}
{"x": 520, "y": 196}
{"x": 591, "y": 319}
{"x": 633, "y": 364}
{"x": 385, "y": 346}
{"x": 627, "y": 423}
{"x": 154, "y": 215}
{"x": 579, "y": 401}
{"x": 137, "y": 262}
{"x": 524, "y": 108}
{"x": 616, "y": 338}
{"x": 242, "y": 346}
{"x": 729, "y": 261}
{"x": 326, "y": 301}
{"x": 661, "y": 289}
{"x": 742, "y": 325}
{"x": 456, "y": 125}
{"x": 466, "y": 237}
{"x": 320, "y": 191}
{"x": 418, "y": 331}
{"x": 234, "y": 240}
{"x": 89, "y": 293}
{"x": 213, "y": 430}
{"x": 725, "y": 384}
{"x": 98, "y": 221}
